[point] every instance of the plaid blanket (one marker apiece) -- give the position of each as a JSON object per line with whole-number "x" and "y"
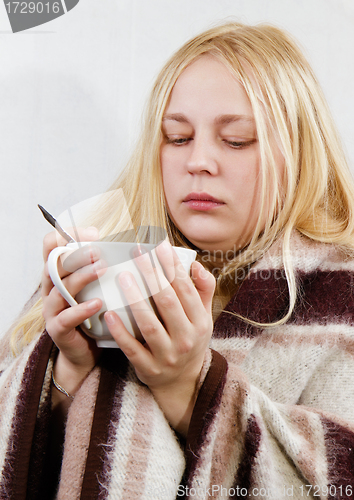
{"x": 274, "y": 416}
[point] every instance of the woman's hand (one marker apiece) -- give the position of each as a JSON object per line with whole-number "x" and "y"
{"x": 77, "y": 353}
{"x": 171, "y": 359}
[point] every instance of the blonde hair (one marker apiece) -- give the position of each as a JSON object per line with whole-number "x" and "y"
{"x": 316, "y": 195}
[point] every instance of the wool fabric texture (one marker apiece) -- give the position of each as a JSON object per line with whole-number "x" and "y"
{"x": 274, "y": 417}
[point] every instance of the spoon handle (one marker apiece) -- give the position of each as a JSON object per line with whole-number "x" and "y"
{"x": 56, "y": 224}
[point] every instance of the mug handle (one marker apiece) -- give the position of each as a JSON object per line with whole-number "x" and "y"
{"x": 56, "y": 279}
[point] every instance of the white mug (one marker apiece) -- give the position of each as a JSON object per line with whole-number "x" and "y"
{"x": 119, "y": 257}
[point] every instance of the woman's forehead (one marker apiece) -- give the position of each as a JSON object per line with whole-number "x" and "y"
{"x": 208, "y": 86}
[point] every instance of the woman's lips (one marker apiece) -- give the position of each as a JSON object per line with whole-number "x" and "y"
{"x": 202, "y": 201}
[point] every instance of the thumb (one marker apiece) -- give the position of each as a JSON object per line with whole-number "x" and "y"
{"x": 204, "y": 282}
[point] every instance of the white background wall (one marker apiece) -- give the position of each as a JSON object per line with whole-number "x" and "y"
{"x": 72, "y": 91}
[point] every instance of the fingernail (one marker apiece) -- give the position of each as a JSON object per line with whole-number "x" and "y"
{"x": 125, "y": 280}
{"x": 203, "y": 273}
{"x": 92, "y": 304}
{"x": 110, "y": 318}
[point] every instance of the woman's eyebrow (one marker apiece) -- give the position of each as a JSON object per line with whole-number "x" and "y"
{"x": 219, "y": 120}
{"x": 177, "y": 117}
{"x": 226, "y": 119}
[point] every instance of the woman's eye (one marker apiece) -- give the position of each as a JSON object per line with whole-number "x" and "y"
{"x": 178, "y": 141}
{"x": 240, "y": 144}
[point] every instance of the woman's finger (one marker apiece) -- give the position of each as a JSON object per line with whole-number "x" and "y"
{"x": 188, "y": 294}
{"x": 76, "y": 259}
{"x": 205, "y": 283}
{"x": 76, "y": 281}
{"x": 47, "y": 283}
{"x": 148, "y": 323}
{"x": 141, "y": 357}
{"x": 54, "y": 239}
{"x": 69, "y": 318}
{"x": 155, "y": 280}
{"x": 167, "y": 302}
{"x": 83, "y": 260}
{"x": 50, "y": 241}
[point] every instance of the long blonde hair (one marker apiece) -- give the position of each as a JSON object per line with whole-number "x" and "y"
{"x": 316, "y": 195}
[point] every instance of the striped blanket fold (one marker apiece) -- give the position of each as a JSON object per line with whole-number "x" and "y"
{"x": 274, "y": 416}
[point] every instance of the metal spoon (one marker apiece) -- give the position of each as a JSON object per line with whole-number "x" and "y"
{"x": 56, "y": 225}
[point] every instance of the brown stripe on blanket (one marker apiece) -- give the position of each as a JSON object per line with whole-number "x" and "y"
{"x": 205, "y": 409}
{"x": 40, "y": 475}
{"x": 340, "y": 456}
{"x": 325, "y": 307}
{"x": 113, "y": 365}
{"x": 15, "y": 473}
{"x": 263, "y": 297}
{"x": 251, "y": 446}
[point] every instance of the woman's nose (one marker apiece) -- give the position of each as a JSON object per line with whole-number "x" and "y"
{"x": 202, "y": 157}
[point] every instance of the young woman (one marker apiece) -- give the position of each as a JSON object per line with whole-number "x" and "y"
{"x": 243, "y": 387}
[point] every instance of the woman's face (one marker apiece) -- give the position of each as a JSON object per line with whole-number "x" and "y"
{"x": 210, "y": 158}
